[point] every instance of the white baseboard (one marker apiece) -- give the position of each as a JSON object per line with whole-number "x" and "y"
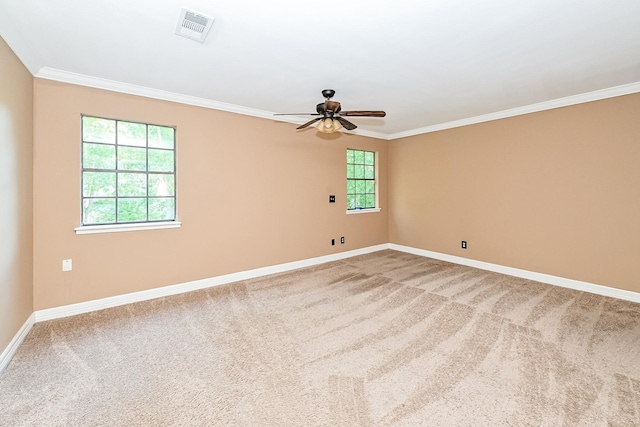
{"x": 88, "y": 306}
{"x": 525, "y": 274}
{"x": 11, "y": 349}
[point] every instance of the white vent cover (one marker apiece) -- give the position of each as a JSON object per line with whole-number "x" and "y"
{"x": 193, "y": 25}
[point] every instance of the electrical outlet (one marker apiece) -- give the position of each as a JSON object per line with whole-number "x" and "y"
{"x": 342, "y": 239}
{"x": 67, "y": 265}
{"x": 333, "y": 242}
{"x": 332, "y": 199}
{"x": 464, "y": 244}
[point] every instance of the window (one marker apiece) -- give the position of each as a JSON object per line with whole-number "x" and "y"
{"x": 361, "y": 180}
{"x": 128, "y": 172}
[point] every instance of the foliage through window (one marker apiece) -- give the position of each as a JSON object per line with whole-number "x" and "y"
{"x": 361, "y": 179}
{"x": 128, "y": 172}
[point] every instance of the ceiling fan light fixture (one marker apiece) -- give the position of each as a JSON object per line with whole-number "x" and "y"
{"x": 331, "y": 117}
{"x": 328, "y": 125}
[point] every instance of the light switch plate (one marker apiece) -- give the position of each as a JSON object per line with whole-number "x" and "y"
{"x": 67, "y": 265}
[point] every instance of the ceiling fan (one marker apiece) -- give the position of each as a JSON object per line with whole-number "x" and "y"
{"x": 331, "y": 117}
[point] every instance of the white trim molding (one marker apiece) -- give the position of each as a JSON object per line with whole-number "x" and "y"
{"x": 115, "y": 228}
{"x": 524, "y": 274}
{"x": 362, "y": 211}
{"x": 147, "y": 92}
{"x": 100, "y": 304}
{"x": 118, "y": 300}
{"x": 11, "y": 349}
{"x": 89, "y": 306}
{"x": 131, "y": 89}
{"x": 597, "y": 95}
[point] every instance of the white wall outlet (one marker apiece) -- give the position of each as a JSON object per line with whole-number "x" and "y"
{"x": 67, "y": 265}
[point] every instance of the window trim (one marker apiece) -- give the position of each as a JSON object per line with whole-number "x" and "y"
{"x": 362, "y": 211}
{"x": 128, "y": 226}
{"x": 376, "y": 163}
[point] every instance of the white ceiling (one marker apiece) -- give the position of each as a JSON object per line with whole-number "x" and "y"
{"x": 430, "y": 64}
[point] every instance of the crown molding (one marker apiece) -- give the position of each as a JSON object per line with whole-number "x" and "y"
{"x": 369, "y": 134}
{"x": 115, "y": 86}
{"x": 131, "y": 89}
{"x": 527, "y": 109}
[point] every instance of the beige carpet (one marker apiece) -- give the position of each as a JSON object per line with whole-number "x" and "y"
{"x": 375, "y": 340}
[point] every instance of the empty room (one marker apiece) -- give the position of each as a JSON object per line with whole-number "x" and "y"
{"x": 319, "y": 214}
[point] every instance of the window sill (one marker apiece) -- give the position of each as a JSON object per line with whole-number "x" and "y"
{"x": 362, "y": 211}
{"x": 117, "y": 228}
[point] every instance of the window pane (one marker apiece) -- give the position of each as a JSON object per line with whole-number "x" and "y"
{"x": 131, "y": 210}
{"x": 360, "y": 179}
{"x": 132, "y": 184}
{"x": 98, "y": 211}
{"x": 370, "y": 201}
{"x": 350, "y": 156}
{"x": 351, "y": 171}
{"x": 368, "y": 157}
{"x": 371, "y": 187}
{"x": 351, "y": 186}
{"x": 132, "y": 134}
{"x": 98, "y": 156}
{"x": 160, "y": 160}
{"x": 130, "y": 158}
{"x": 98, "y": 184}
{"x": 351, "y": 201}
{"x": 161, "y": 185}
{"x": 369, "y": 172}
{"x": 98, "y": 130}
{"x": 161, "y": 137}
{"x": 161, "y": 208}
{"x": 117, "y": 157}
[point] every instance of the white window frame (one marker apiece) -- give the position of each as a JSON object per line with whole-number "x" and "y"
{"x": 126, "y": 226}
{"x": 376, "y": 208}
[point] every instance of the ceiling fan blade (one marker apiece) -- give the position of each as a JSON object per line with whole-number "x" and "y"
{"x": 309, "y": 123}
{"x": 296, "y": 114}
{"x": 346, "y": 123}
{"x": 364, "y": 113}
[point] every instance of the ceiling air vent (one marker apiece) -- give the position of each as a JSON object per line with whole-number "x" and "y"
{"x": 193, "y": 25}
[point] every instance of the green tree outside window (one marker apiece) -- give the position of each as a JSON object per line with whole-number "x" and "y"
{"x": 128, "y": 172}
{"x": 361, "y": 179}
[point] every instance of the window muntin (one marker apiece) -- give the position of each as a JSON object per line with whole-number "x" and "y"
{"x": 128, "y": 172}
{"x": 361, "y": 179}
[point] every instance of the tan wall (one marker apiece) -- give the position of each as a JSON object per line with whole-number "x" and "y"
{"x": 251, "y": 193}
{"x": 555, "y": 192}
{"x": 16, "y": 195}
